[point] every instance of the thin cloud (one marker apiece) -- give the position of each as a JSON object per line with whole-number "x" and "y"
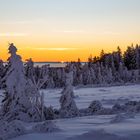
{"x": 69, "y": 31}
{"x": 56, "y": 49}
{"x": 13, "y": 34}
{"x": 22, "y": 22}
{"x": 109, "y": 33}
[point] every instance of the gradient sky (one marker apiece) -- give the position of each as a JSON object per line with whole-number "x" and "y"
{"x": 63, "y": 30}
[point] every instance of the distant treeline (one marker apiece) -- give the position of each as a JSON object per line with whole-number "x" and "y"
{"x": 106, "y": 69}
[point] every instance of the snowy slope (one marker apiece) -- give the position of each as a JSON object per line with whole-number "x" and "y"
{"x": 74, "y": 128}
{"x": 98, "y": 127}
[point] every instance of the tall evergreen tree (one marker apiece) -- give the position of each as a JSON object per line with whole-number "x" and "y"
{"x": 130, "y": 58}
{"x": 22, "y": 101}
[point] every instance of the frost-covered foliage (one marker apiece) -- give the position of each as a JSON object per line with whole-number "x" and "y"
{"x": 67, "y": 103}
{"x": 118, "y": 108}
{"x": 96, "y": 108}
{"x": 12, "y": 129}
{"x": 45, "y": 127}
{"x": 130, "y": 106}
{"x": 22, "y": 99}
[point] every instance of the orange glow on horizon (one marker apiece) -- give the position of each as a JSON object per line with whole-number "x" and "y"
{"x": 59, "y": 55}
{"x": 63, "y": 48}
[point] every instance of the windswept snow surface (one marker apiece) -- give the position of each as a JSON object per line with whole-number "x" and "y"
{"x": 97, "y": 127}
{"x": 107, "y": 95}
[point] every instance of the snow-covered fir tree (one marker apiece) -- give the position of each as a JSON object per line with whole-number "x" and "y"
{"x": 22, "y": 101}
{"x": 29, "y": 69}
{"x": 67, "y": 103}
{"x": 2, "y": 70}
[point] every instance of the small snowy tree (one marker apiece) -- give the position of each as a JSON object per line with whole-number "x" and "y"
{"x": 68, "y": 105}
{"x": 21, "y": 100}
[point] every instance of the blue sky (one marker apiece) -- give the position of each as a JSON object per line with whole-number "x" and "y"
{"x": 70, "y": 12}
{"x": 69, "y": 9}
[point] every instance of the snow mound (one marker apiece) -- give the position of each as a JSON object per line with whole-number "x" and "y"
{"x": 45, "y": 127}
{"x": 122, "y": 117}
{"x": 12, "y": 129}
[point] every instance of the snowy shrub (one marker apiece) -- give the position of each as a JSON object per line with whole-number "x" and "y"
{"x": 105, "y": 111}
{"x": 45, "y": 127}
{"x": 12, "y": 129}
{"x": 95, "y": 111}
{"x": 131, "y": 103}
{"x": 132, "y": 106}
{"x": 118, "y": 108}
{"x": 95, "y": 106}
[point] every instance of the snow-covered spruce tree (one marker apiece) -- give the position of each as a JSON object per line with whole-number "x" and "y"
{"x": 29, "y": 69}
{"x": 22, "y": 101}
{"x": 2, "y": 70}
{"x": 67, "y": 103}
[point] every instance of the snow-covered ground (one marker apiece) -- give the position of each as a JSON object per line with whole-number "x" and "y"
{"x": 99, "y": 127}
{"x": 107, "y": 95}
